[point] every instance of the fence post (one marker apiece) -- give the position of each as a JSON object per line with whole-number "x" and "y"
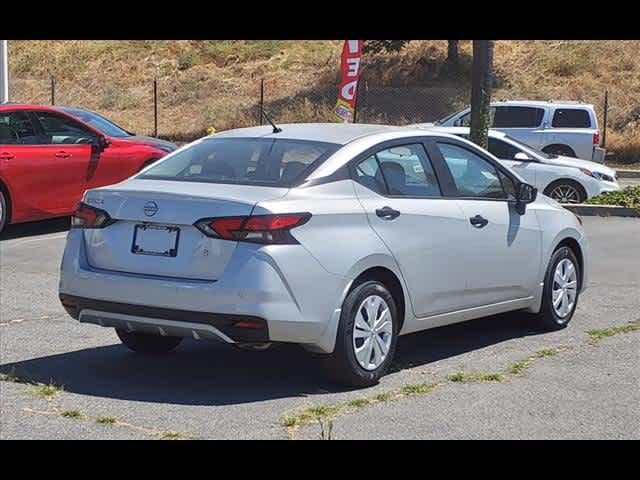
{"x": 53, "y": 90}
{"x": 355, "y": 106}
{"x": 261, "y": 113}
{"x": 604, "y": 120}
{"x": 155, "y": 107}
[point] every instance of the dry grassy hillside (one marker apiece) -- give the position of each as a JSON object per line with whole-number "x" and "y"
{"x": 216, "y": 83}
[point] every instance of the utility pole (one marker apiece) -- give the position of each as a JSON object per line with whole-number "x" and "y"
{"x": 4, "y": 72}
{"x": 481, "y": 84}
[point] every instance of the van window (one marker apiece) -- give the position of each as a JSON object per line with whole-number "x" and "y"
{"x": 571, "y": 118}
{"x": 517, "y": 117}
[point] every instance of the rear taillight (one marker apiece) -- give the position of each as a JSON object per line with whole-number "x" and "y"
{"x": 86, "y": 216}
{"x": 596, "y": 138}
{"x": 267, "y": 229}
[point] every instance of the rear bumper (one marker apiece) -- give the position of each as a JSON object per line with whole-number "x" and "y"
{"x": 281, "y": 285}
{"x": 599, "y": 154}
{"x": 165, "y": 321}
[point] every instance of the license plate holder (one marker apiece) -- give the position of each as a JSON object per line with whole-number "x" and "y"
{"x": 156, "y": 240}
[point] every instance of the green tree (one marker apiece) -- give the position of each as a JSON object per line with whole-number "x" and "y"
{"x": 481, "y": 82}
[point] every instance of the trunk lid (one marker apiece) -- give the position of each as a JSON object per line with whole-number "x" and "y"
{"x": 154, "y": 233}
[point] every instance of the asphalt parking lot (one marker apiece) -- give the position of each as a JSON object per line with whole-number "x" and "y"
{"x": 489, "y": 378}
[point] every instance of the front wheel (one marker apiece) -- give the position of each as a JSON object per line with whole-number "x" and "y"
{"x": 366, "y": 338}
{"x": 146, "y": 343}
{"x": 561, "y": 290}
{"x": 566, "y": 191}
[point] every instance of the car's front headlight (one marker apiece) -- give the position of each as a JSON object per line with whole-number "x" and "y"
{"x": 598, "y": 175}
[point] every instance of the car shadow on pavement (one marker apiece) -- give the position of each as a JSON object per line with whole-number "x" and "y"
{"x": 30, "y": 229}
{"x": 208, "y": 373}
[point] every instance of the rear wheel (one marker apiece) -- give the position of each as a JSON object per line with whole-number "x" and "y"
{"x": 366, "y": 338}
{"x": 146, "y": 343}
{"x": 561, "y": 290}
{"x": 566, "y": 191}
{"x": 563, "y": 150}
{"x": 3, "y": 211}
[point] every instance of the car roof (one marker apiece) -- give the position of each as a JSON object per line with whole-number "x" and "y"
{"x": 543, "y": 103}
{"x": 25, "y": 106}
{"x": 338, "y": 133}
{"x": 459, "y": 130}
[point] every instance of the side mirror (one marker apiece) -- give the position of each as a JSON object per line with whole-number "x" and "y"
{"x": 526, "y": 194}
{"x": 522, "y": 157}
{"x": 101, "y": 143}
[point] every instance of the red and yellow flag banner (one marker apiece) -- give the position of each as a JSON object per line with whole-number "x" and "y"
{"x": 348, "y": 87}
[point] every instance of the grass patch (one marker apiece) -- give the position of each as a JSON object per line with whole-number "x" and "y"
{"x": 627, "y": 197}
{"x": 359, "y": 402}
{"x": 383, "y": 397}
{"x": 77, "y": 414}
{"x": 418, "y": 388}
{"x": 519, "y": 367}
{"x": 46, "y": 390}
{"x": 39, "y": 389}
{"x": 546, "y": 352}
{"x": 462, "y": 377}
{"x": 326, "y": 429}
{"x": 171, "y": 435}
{"x": 107, "y": 420}
{"x": 601, "y": 333}
{"x": 10, "y": 376}
{"x": 310, "y": 414}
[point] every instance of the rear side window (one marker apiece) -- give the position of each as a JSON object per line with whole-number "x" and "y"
{"x": 244, "y": 161}
{"x": 571, "y": 118}
{"x": 16, "y": 129}
{"x": 399, "y": 171}
{"x": 517, "y": 117}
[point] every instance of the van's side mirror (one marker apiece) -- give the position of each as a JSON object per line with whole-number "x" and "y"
{"x": 522, "y": 157}
{"x": 526, "y": 194}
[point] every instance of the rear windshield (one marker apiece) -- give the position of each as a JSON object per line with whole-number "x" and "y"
{"x": 244, "y": 161}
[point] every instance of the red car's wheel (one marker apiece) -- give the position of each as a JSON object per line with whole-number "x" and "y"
{"x": 3, "y": 211}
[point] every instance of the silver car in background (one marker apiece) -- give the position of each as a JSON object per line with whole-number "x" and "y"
{"x": 336, "y": 237}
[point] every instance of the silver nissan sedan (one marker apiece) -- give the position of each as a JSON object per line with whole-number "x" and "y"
{"x": 336, "y": 237}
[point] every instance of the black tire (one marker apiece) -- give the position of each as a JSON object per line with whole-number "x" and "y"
{"x": 548, "y": 319}
{"x": 4, "y": 212}
{"x": 342, "y": 366}
{"x": 564, "y": 150}
{"x": 564, "y": 183}
{"x": 146, "y": 343}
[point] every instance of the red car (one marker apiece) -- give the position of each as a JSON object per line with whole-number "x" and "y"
{"x": 50, "y": 155}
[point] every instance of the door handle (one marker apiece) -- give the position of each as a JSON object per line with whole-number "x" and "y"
{"x": 6, "y": 156}
{"x": 62, "y": 154}
{"x": 387, "y": 213}
{"x": 479, "y": 221}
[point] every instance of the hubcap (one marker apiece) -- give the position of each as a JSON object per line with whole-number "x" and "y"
{"x": 565, "y": 288}
{"x": 565, "y": 194}
{"x": 372, "y": 332}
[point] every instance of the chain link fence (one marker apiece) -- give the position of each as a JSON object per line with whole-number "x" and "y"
{"x": 182, "y": 110}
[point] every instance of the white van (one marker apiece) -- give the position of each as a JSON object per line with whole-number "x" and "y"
{"x": 569, "y": 129}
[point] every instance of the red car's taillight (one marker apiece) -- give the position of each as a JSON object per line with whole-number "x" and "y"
{"x": 267, "y": 229}
{"x": 596, "y": 138}
{"x": 86, "y": 216}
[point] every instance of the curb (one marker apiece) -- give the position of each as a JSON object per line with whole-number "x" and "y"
{"x": 623, "y": 173}
{"x": 603, "y": 210}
